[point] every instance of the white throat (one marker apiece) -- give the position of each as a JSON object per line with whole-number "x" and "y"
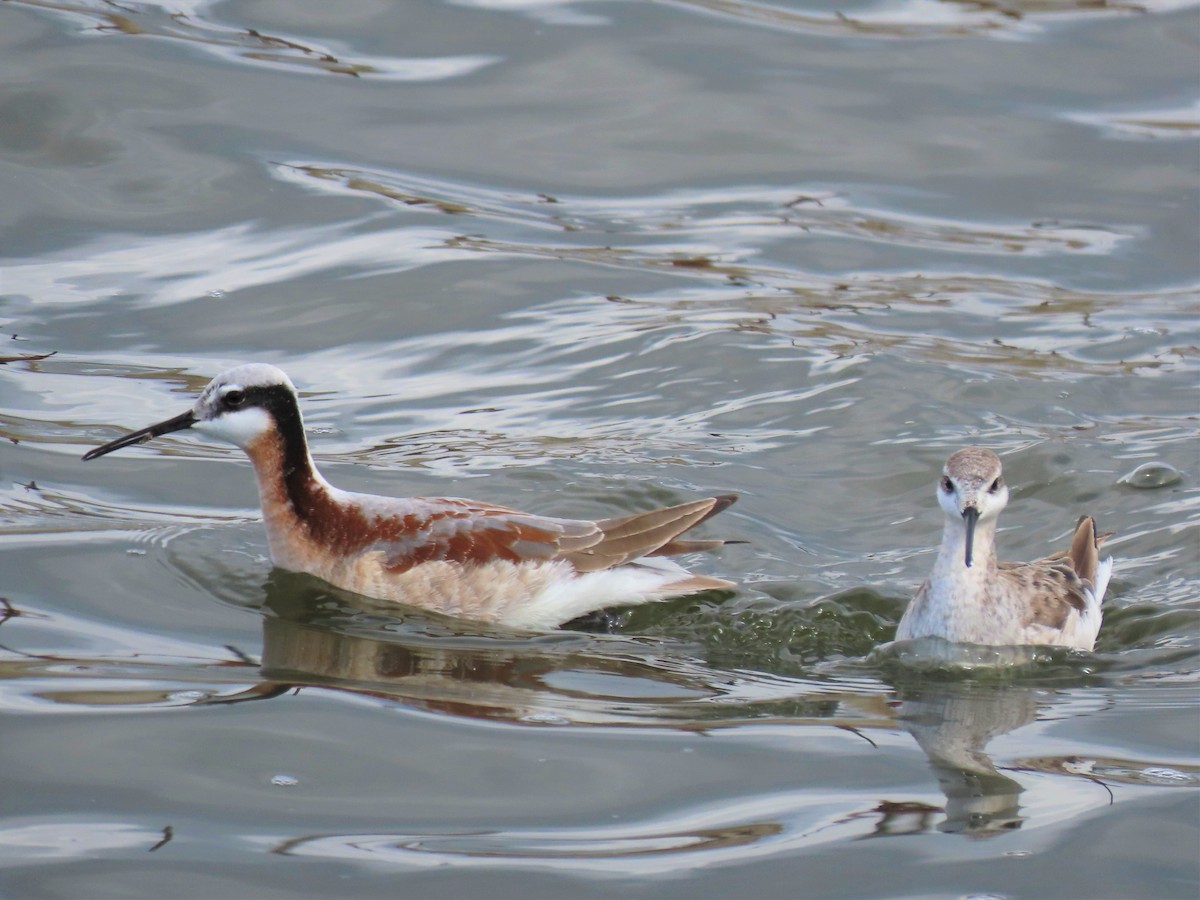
{"x": 240, "y": 427}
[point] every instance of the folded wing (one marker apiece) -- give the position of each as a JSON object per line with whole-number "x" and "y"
{"x": 469, "y": 532}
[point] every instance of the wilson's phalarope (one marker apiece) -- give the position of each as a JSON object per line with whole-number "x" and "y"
{"x": 456, "y": 557}
{"x": 972, "y": 598}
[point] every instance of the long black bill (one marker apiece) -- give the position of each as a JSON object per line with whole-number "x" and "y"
{"x": 971, "y": 515}
{"x": 180, "y": 422}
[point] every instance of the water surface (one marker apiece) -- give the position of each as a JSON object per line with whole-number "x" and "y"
{"x": 581, "y": 258}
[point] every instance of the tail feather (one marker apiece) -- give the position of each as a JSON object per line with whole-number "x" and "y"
{"x": 694, "y": 511}
{"x": 1084, "y": 557}
{"x": 1100, "y": 582}
{"x": 697, "y": 583}
{"x": 650, "y": 533}
{"x": 1084, "y": 554}
{"x": 678, "y": 548}
{"x": 721, "y": 502}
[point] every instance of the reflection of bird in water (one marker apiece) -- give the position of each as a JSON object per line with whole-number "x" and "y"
{"x": 358, "y": 645}
{"x": 972, "y": 598}
{"x": 455, "y": 557}
{"x": 953, "y": 724}
{"x": 315, "y": 638}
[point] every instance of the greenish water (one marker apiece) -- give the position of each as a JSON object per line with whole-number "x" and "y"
{"x": 582, "y": 258}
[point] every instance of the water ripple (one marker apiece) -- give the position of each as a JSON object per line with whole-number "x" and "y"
{"x": 1153, "y": 124}
{"x": 742, "y": 212}
{"x": 38, "y": 513}
{"x": 191, "y": 22}
{"x": 925, "y": 19}
{"x": 887, "y": 20}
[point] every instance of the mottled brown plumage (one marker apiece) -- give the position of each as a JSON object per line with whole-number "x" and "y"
{"x": 970, "y": 597}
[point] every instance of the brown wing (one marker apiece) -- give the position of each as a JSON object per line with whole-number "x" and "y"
{"x": 468, "y": 532}
{"x": 1052, "y": 590}
{"x": 1057, "y": 583}
{"x": 650, "y": 533}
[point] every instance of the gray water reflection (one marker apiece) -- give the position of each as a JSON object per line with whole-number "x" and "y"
{"x": 314, "y": 638}
{"x": 580, "y": 257}
{"x": 954, "y": 728}
{"x": 196, "y": 24}
{"x": 321, "y": 644}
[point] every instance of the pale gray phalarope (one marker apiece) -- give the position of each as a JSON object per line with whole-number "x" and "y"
{"x": 456, "y": 557}
{"x": 971, "y": 598}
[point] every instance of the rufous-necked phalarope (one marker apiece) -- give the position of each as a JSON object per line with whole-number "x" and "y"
{"x": 972, "y": 598}
{"x": 456, "y": 557}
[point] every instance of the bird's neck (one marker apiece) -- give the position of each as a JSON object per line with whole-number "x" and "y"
{"x": 951, "y": 561}
{"x": 300, "y": 508}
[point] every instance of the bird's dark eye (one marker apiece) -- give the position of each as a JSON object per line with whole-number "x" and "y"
{"x": 233, "y": 399}
{"x": 947, "y": 484}
{"x": 995, "y": 486}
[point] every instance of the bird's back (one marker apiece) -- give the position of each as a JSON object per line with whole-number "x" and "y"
{"x": 1059, "y": 598}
